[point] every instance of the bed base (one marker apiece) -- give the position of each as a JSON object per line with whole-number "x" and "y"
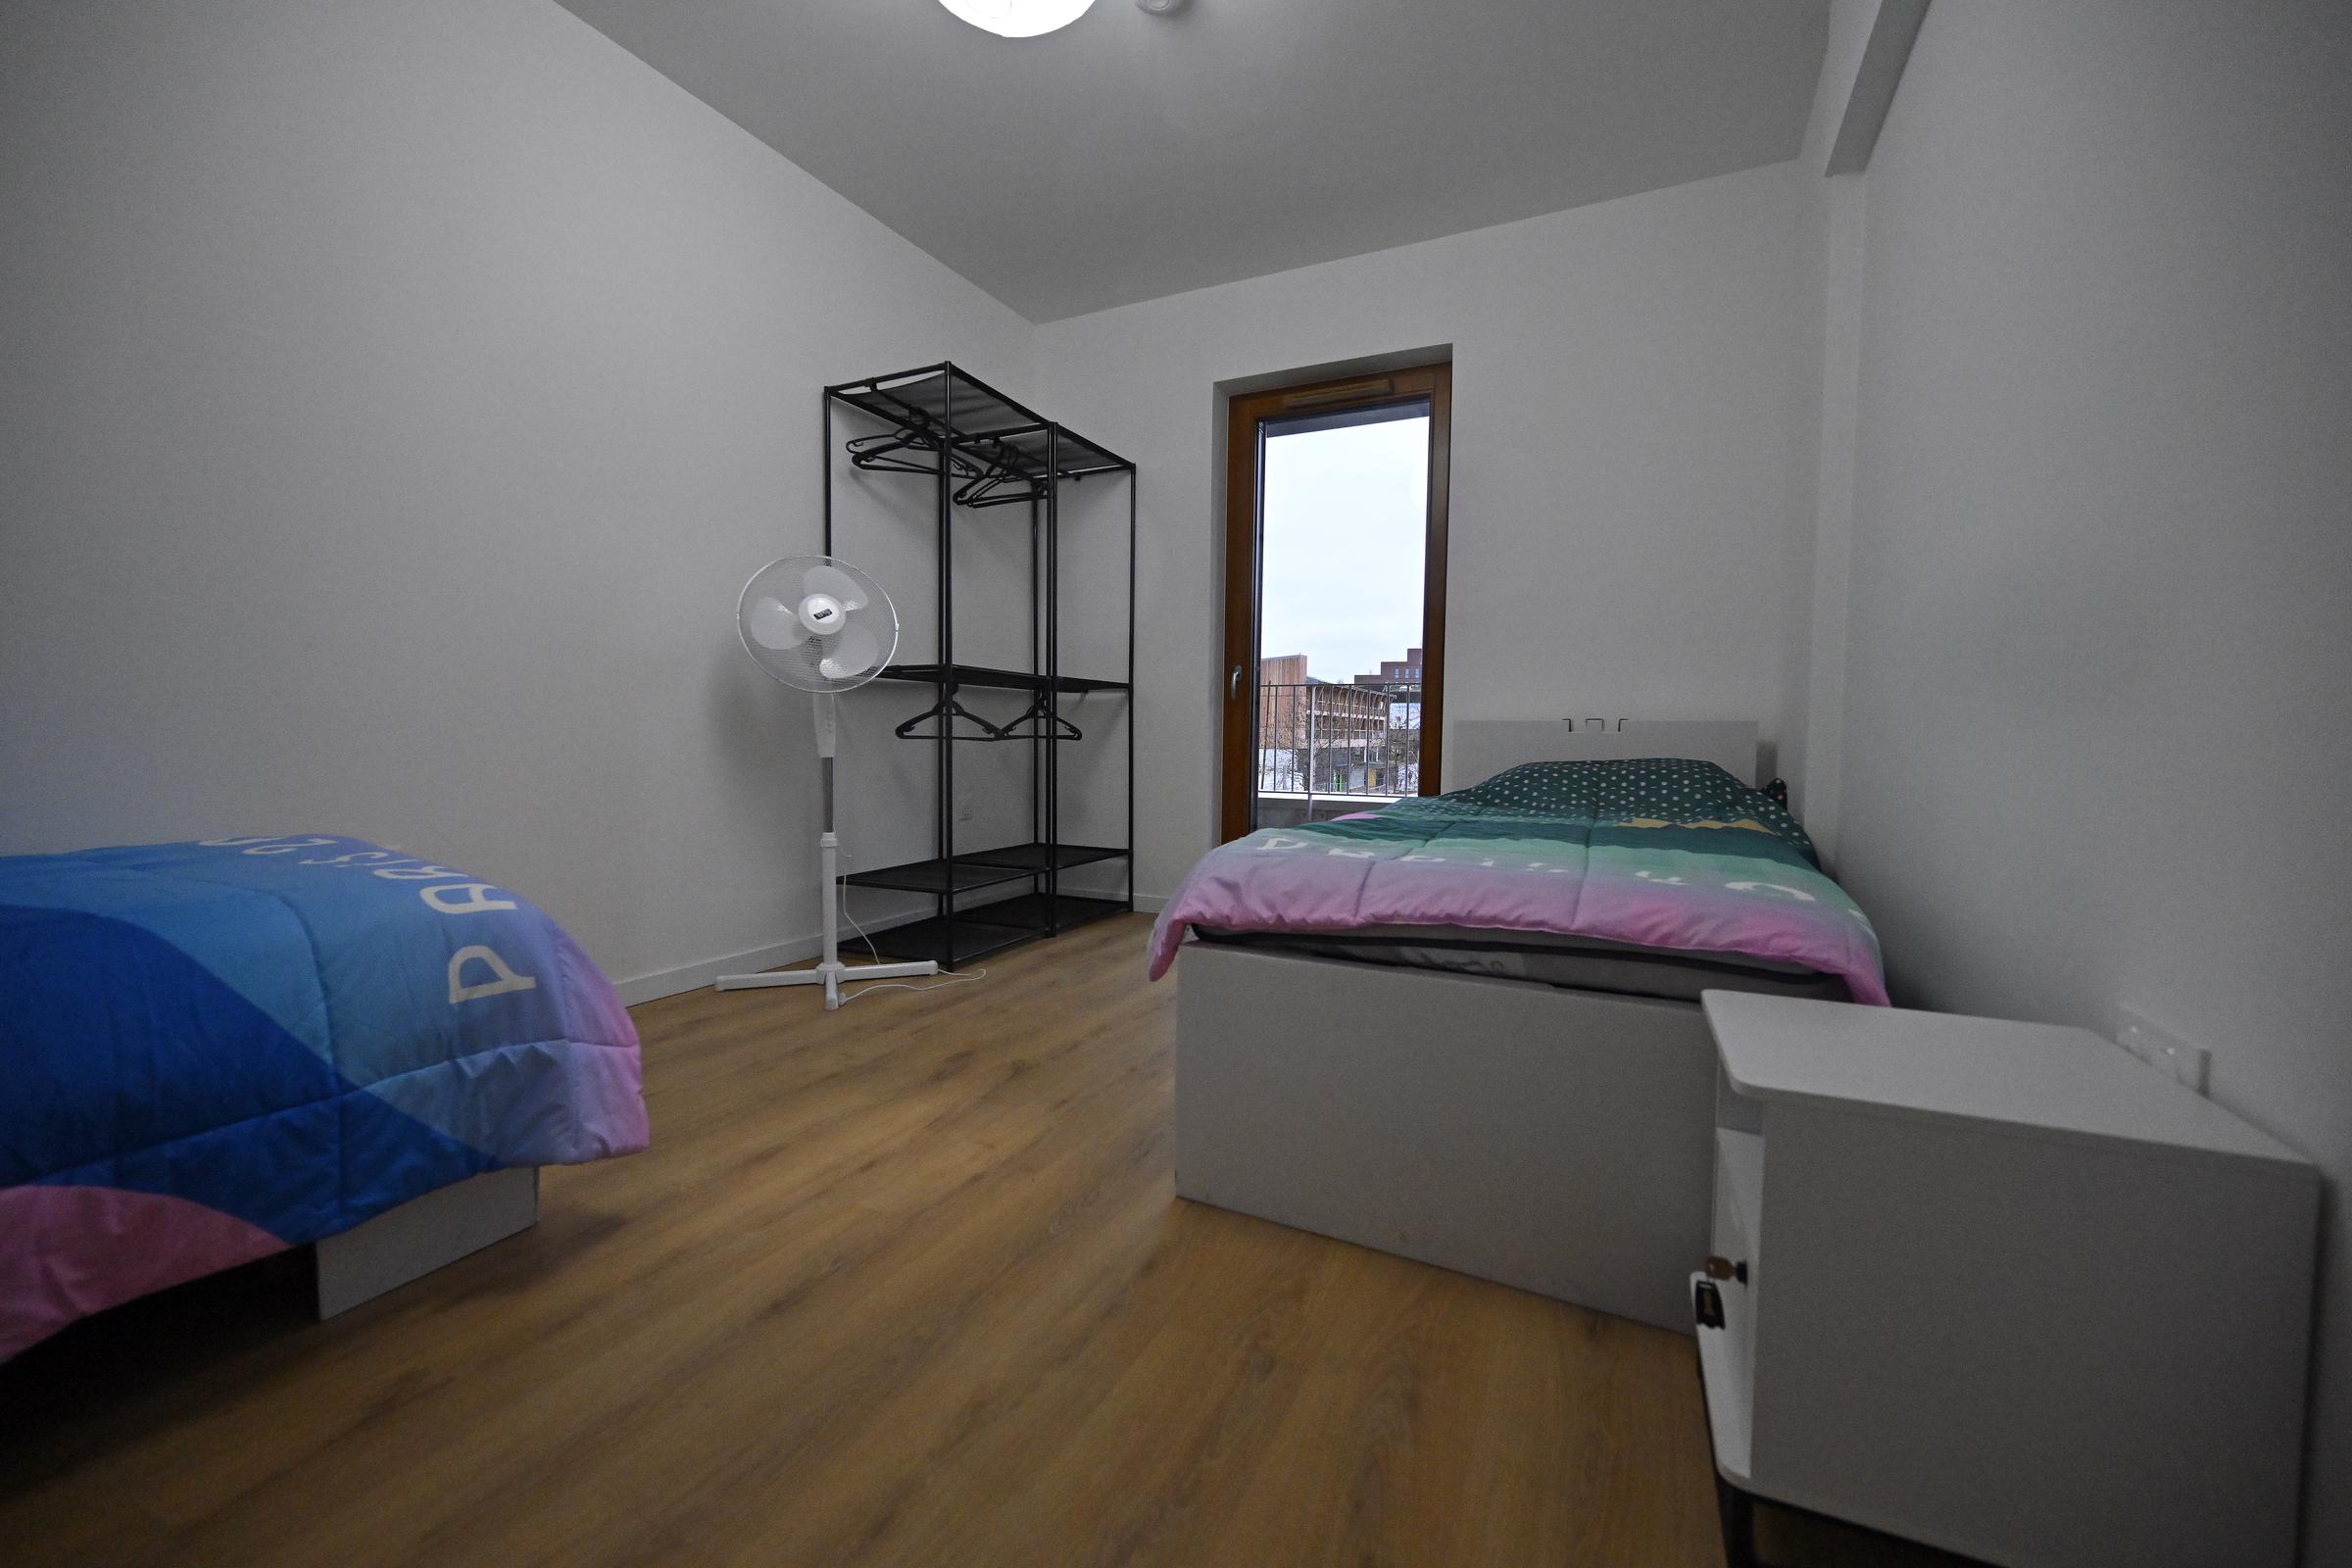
{"x": 423, "y": 1235}
{"x": 1556, "y": 1140}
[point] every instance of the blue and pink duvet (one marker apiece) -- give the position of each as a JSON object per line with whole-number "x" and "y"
{"x": 213, "y": 1052}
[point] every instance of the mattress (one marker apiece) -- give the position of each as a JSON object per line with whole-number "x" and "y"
{"x": 1580, "y": 963}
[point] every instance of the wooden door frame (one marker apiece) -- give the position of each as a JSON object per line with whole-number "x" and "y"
{"x": 1244, "y": 473}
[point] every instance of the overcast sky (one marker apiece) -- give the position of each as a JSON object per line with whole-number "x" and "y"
{"x": 1345, "y": 535}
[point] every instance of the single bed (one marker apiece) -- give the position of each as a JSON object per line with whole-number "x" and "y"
{"x": 1466, "y": 1029}
{"x": 217, "y": 1050}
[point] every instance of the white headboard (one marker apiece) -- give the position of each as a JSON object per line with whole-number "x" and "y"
{"x": 1478, "y": 748}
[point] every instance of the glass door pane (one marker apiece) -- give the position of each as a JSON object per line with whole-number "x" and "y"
{"x": 1343, "y": 525}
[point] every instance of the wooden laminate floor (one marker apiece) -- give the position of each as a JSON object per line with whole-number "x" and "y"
{"x": 903, "y": 1285}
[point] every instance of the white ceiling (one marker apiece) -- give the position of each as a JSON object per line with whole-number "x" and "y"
{"x": 1130, "y": 156}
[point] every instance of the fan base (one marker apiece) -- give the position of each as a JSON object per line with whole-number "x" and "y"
{"x": 832, "y": 976}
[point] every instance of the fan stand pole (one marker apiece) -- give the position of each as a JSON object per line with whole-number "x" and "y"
{"x": 830, "y": 973}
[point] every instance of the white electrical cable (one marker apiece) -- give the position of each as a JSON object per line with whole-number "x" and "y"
{"x": 842, "y": 894}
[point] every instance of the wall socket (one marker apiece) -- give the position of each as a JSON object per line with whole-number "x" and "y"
{"x": 2164, "y": 1051}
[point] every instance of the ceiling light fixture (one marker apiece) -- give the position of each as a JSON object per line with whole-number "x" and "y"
{"x": 1018, "y": 19}
{"x": 1159, "y": 8}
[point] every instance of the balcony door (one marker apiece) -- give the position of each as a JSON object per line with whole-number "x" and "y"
{"x": 1334, "y": 597}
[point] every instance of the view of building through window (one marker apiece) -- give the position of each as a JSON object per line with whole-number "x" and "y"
{"x": 1344, "y": 544}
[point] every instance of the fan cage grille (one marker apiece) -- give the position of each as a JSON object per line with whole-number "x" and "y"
{"x": 801, "y": 664}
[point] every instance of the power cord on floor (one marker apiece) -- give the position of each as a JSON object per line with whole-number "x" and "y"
{"x": 841, "y": 895}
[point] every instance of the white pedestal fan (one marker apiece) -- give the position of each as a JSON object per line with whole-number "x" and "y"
{"x": 820, "y": 625}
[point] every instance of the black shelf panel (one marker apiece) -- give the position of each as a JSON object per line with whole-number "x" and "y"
{"x": 959, "y": 875}
{"x": 1012, "y": 680}
{"x": 1032, "y": 858}
{"x": 983, "y": 868}
{"x": 989, "y": 426}
{"x": 1039, "y": 912}
{"x": 993, "y": 927}
{"x": 928, "y": 939}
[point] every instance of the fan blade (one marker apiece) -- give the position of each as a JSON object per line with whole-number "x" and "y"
{"x": 851, "y": 654}
{"x": 774, "y": 625}
{"x": 836, "y": 583}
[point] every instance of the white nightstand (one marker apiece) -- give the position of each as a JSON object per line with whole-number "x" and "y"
{"x": 2000, "y": 1288}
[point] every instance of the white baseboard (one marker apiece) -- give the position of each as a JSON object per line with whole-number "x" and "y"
{"x": 1153, "y": 903}
{"x": 695, "y": 976}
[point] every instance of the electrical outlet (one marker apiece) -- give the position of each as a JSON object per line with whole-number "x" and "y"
{"x": 2164, "y": 1051}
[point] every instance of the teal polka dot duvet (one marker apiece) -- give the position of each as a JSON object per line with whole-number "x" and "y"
{"x": 1666, "y": 852}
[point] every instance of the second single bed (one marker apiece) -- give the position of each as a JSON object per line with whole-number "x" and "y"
{"x": 1465, "y": 1028}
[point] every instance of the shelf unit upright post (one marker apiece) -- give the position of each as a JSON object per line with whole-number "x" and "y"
{"x": 944, "y": 828}
{"x": 983, "y": 449}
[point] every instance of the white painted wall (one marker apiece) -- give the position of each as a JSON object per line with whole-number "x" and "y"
{"x": 1830, "y": 252}
{"x": 2098, "y": 729}
{"x": 1626, "y": 530}
{"x": 397, "y": 397}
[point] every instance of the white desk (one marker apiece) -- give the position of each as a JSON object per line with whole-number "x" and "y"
{"x": 2002, "y": 1288}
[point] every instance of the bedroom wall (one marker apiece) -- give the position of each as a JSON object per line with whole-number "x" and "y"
{"x": 1628, "y": 534}
{"x": 2096, "y": 730}
{"x": 397, "y": 398}
{"x": 1830, "y": 321}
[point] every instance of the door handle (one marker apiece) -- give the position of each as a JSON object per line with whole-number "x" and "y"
{"x": 1233, "y": 685}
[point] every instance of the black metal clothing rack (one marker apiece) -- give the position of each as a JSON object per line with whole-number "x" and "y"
{"x": 984, "y": 450}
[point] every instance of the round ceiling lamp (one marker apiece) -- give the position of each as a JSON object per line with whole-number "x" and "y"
{"x": 1018, "y": 19}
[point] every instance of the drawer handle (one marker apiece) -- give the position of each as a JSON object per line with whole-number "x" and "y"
{"x": 1723, "y": 1268}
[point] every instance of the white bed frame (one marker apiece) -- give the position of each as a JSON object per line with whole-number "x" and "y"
{"x": 1557, "y": 1140}
{"x": 423, "y": 1235}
